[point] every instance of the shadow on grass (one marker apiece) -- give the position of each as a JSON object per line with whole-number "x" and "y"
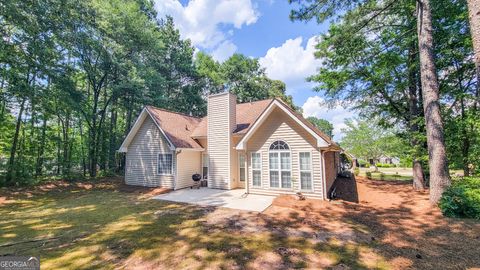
{"x": 110, "y": 229}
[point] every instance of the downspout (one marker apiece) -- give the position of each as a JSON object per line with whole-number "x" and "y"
{"x": 177, "y": 152}
{"x": 322, "y": 154}
{"x": 247, "y": 182}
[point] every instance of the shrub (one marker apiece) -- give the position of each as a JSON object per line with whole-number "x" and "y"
{"x": 385, "y": 165}
{"x": 462, "y": 198}
{"x": 369, "y": 175}
{"x": 356, "y": 171}
{"x": 362, "y": 163}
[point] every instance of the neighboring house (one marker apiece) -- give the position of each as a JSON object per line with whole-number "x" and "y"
{"x": 264, "y": 147}
{"x": 389, "y": 160}
{"x": 385, "y": 160}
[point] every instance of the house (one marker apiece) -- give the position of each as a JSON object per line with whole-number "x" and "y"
{"x": 264, "y": 147}
{"x": 384, "y": 159}
{"x": 389, "y": 160}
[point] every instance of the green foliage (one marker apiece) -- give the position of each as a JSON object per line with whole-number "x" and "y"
{"x": 362, "y": 163}
{"x": 369, "y": 175}
{"x": 322, "y": 124}
{"x": 74, "y": 75}
{"x": 356, "y": 171}
{"x": 385, "y": 165}
{"x": 242, "y": 76}
{"x": 370, "y": 61}
{"x": 366, "y": 140}
{"x": 462, "y": 198}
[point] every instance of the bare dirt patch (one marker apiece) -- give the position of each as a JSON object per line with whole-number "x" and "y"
{"x": 398, "y": 222}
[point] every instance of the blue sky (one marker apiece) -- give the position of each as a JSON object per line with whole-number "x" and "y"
{"x": 260, "y": 29}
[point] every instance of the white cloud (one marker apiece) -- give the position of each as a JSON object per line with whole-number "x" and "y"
{"x": 315, "y": 106}
{"x": 201, "y": 20}
{"x": 223, "y": 51}
{"x": 292, "y": 63}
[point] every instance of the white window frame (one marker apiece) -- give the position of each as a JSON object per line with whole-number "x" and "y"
{"x": 300, "y": 171}
{"x": 158, "y": 163}
{"x": 208, "y": 165}
{"x": 280, "y": 170}
{"x": 251, "y": 161}
{"x": 244, "y": 167}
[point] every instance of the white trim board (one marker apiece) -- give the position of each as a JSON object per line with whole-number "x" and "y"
{"x": 277, "y": 104}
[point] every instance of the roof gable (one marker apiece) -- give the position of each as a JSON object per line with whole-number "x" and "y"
{"x": 181, "y": 130}
{"x": 322, "y": 139}
{"x": 175, "y": 127}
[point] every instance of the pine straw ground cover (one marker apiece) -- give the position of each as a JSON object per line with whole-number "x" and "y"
{"x": 103, "y": 224}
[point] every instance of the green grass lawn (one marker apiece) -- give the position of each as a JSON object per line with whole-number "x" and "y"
{"x": 387, "y": 176}
{"x": 76, "y": 228}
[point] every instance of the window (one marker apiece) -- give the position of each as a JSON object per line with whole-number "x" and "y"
{"x": 204, "y": 166}
{"x": 279, "y": 145}
{"x": 280, "y": 165}
{"x": 305, "y": 164}
{"x": 256, "y": 169}
{"x": 241, "y": 160}
{"x": 165, "y": 164}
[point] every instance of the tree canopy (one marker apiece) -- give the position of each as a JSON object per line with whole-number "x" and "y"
{"x": 322, "y": 124}
{"x": 370, "y": 61}
{"x": 75, "y": 74}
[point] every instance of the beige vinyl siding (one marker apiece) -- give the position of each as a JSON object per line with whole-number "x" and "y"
{"x": 234, "y": 164}
{"x": 330, "y": 169}
{"x": 234, "y": 181}
{"x": 188, "y": 163}
{"x": 279, "y": 126}
{"x": 219, "y": 140}
{"x": 142, "y": 157}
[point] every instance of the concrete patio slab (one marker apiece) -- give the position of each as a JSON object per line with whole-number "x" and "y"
{"x": 235, "y": 199}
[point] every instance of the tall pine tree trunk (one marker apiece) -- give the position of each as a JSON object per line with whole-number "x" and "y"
{"x": 474, "y": 18}
{"x": 41, "y": 149}
{"x": 113, "y": 137}
{"x": 66, "y": 145}
{"x": 82, "y": 147}
{"x": 3, "y": 101}
{"x": 13, "y": 150}
{"x": 439, "y": 177}
{"x": 465, "y": 139}
{"x": 417, "y": 169}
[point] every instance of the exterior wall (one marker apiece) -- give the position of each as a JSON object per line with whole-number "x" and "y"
{"x": 188, "y": 163}
{"x": 219, "y": 139}
{"x": 279, "y": 126}
{"x": 142, "y": 155}
{"x": 330, "y": 169}
{"x": 234, "y": 181}
{"x": 234, "y": 167}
